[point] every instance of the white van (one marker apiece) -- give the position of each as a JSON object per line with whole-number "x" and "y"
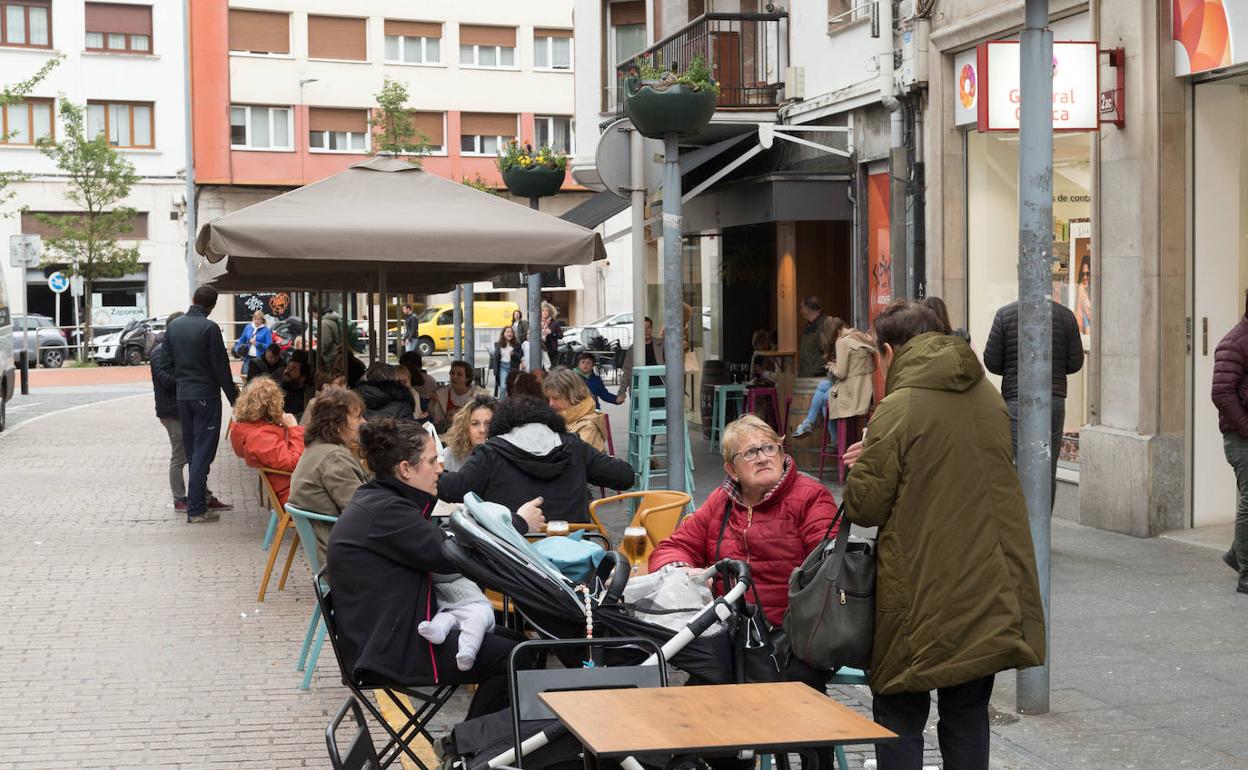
{"x": 8, "y": 375}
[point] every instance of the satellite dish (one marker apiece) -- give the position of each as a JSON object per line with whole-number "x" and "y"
{"x": 614, "y": 159}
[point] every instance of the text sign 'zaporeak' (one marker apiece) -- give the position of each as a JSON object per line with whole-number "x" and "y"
{"x": 1076, "y": 86}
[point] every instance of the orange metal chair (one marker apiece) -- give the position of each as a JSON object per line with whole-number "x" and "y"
{"x": 659, "y": 501}
{"x": 284, "y": 522}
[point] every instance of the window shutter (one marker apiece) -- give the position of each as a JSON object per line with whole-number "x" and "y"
{"x": 429, "y": 124}
{"x": 119, "y": 18}
{"x": 333, "y": 37}
{"x": 413, "y": 28}
{"x": 549, "y": 32}
{"x": 487, "y": 124}
{"x": 632, "y": 12}
{"x": 261, "y": 31}
{"x": 333, "y": 119}
{"x": 474, "y": 34}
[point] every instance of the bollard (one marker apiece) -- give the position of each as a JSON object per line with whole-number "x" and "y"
{"x": 25, "y": 373}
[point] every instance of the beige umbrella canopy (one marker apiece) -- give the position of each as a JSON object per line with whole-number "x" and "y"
{"x": 427, "y": 232}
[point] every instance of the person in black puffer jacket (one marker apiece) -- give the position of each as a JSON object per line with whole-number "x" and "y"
{"x": 1001, "y": 357}
{"x": 529, "y": 454}
{"x": 1230, "y": 380}
{"x": 385, "y": 395}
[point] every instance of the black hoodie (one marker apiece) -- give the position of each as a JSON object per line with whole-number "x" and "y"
{"x": 530, "y": 461}
{"x": 387, "y": 398}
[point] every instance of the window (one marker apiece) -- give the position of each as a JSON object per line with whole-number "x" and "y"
{"x": 117, "y": 28}
{"x": 337, "y": 130}
{"x": 260, "y": 128}
{"x": 554, "y": 132}
{"x": 27, "y": 24}
{"x": 336, "y": 37}
{"x": 260, "y": 32}
{"x": 432, "y": 126}
{"x": 485, "y": 133}
{"x": 628, "y": 30}
{"x": 413, "y": 42}
{"x": 481, "y": 46}
{"x": 26, "y": 122}
{"x": 125, "y": 124}
{"x": 842, "y": 12}
{"x": 552, "y": 49}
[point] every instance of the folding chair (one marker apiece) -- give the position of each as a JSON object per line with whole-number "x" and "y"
{"x": 275, "y": 547}
{"x": 361, "y": 753}
{"x": 431, "y": 699}
{"x": 307, "y": 537}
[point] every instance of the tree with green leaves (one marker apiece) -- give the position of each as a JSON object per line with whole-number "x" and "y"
{"x": 12, "y": 94}
{"x": 90, "y": 242}
{"x": 393, "y": 131}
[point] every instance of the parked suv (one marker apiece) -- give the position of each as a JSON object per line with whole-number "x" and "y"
{"x": 130, "y": 346}
{"x": 44, "y": 343}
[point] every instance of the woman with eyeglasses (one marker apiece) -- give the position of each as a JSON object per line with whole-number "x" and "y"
{"x": 765, "y": 514}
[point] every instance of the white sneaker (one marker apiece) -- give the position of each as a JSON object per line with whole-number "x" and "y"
{"x": 803, "y": 430}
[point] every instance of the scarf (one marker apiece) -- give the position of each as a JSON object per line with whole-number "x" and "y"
{"x": 578, "y": 412}
{"x": 733, "y": 487}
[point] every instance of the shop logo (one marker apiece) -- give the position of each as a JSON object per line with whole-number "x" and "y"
{"x": 966, "y": 86}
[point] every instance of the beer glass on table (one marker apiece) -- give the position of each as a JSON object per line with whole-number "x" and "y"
{"x": 633, "y": 546}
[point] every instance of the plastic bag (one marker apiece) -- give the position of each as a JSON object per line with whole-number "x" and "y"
{"x": 669, "y": 598}
{"x": 575, "y": 558}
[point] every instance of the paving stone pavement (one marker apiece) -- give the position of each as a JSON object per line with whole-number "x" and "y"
{"x": 133, "y": 640}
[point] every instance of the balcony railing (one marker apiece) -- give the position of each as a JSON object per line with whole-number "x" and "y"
{"x": 747, "y": 53}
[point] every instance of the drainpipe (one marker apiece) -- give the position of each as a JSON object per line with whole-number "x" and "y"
{"x": 192, "y": 204}
{"x": 898, "y": 165}
{"x": 916, "y": 211}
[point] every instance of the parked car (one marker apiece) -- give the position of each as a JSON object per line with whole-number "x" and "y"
{"x": 435, "y": 324}
{"x": 8, "y": 372}
{"x": 616, "y": 327}
{"x": 130, "y": 346}
{"x": 44, "y": 343}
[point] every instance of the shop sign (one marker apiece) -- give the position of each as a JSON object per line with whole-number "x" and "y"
{"x": 966, "y": 100}
{"x": 1076, "y": 86}
{"x": 274, "y": 304}
{"x": 1209, "y": 35}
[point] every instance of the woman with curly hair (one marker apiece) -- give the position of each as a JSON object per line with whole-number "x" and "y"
{"x": 329, "y": 471}
{"x": 568, "y": 395}
{"x": 266, "y": 436}
{"x": 469, "y": 430}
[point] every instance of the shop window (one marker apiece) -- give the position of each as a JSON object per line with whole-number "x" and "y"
{"x": 260, "y": 128}
{"x": 554, "y": 132}
{"x": 413, "y": 42}
{"x": 481, "y": 46}
{"x": 485, "y": 133}
{"x": 336, "y": 37}
{"x": 126, "y": 124}
{"x": 552, "y": 49}
{"x": 26, "y": 24}
{"x": 26, "y": 122}
{"x": 259, "y": 32}
{"x": 336, "y": 130}
{"x": 118, "y": 28}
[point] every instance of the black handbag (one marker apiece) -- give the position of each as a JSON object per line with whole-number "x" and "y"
{"x": 760, "y": 652}
{"x": 831, "y": 617}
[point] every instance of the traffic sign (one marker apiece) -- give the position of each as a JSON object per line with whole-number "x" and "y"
{"x": 25, "y": 250}
{"x": 58, "y": 282}
{"x": 613, "y": 157}
{"x": 75, "y": 285}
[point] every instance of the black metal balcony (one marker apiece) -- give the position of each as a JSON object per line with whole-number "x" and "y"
{"x": 747, "y": 53}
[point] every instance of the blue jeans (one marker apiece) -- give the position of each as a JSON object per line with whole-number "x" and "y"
{"x": 409, "y": 345}
{"x": 818, "y": 401}
{"x": 504, "y": 371}
{"x": 201, "y": 426}
{"x": 1236, "y": 448}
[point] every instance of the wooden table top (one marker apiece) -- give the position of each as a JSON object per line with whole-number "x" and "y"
{"x": 674, "y": 720}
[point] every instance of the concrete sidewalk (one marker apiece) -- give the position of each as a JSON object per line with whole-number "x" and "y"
{"x": 134, "y": 640}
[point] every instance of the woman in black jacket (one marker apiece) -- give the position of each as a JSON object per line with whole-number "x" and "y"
{"x": 381, "y": 553}
{"x": 531, "y": 454}
{"x": 385, "y": 395}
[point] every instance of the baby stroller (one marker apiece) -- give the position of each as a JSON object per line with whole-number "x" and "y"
{"x": 486, "y": 548}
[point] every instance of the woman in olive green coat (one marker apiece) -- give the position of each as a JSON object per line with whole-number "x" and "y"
{"x": 957, "y": 598}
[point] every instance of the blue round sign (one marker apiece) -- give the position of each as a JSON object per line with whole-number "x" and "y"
{"x": 58, "y": 282}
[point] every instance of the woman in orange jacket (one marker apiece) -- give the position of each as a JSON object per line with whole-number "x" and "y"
{"x": 264, "y": 435}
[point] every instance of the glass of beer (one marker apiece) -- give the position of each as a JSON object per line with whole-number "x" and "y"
{"x": 556, "y": 528}
{"x": 633, "y": 546}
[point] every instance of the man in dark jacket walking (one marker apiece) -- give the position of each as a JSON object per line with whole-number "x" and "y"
{"x": 411, "y": 329}
{"x": 1001, "y": 357}
{"x": 195, "y": 355}
{"x": 1230, "y": 376}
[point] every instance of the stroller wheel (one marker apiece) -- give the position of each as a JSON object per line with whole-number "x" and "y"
{"x": 686, "y": 762}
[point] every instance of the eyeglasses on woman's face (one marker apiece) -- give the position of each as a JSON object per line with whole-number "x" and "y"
{"x": 751, "y": 454}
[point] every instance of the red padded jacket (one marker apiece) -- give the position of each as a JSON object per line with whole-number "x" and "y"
{"x": 1230, "y": 369}
{"x": 774, "y": 537}
{"x": 265, "y": 445}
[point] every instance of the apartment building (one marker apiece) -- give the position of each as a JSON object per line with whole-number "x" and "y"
{"x": 124, "y": 62}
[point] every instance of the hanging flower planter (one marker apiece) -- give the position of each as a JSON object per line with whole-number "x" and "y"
{"x": 663, "y": 102}
{"x": 530, "y": 174}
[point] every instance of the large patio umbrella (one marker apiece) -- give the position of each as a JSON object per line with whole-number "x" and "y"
{"x": 426, "y": 233}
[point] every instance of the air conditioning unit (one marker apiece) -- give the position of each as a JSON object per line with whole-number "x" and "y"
{"x": 914, "y": 51}
{"x": 795, "y": 83}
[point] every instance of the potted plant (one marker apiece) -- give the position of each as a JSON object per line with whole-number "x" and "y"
{"x": 530, "y": 174}
{"x": 661, "y": 101}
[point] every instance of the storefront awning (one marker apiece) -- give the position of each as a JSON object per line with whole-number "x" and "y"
{"x": 775, "y": 198}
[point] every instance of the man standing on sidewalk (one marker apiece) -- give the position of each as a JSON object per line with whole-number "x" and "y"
{"x": 1230, "y": 376}
{"x": 196, "y": 356}
{"x": 411, "y": 329}
{"x": 1001, "y": 357}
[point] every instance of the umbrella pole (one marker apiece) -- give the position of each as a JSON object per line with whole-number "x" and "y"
{"x": 535, "y": 310}
{"x": 470, "y": 330}
{"x": 342, "y": 343}
{"x": 457, "y": 324}
{"x": 372, "y": 332}
{"x": 385, "y": 315}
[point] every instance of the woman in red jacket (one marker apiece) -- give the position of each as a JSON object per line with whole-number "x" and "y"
{"x": 766, "y": 514}
{"x": 264, "y": 435}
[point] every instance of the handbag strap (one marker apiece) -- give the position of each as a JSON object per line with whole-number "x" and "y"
{"x": 723, "y": 526}
{"x": 840, "y": 516}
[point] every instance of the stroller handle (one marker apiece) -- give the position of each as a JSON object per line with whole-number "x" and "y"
{"x": 734, "y": 567}
{"x": 620, "y": 571}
